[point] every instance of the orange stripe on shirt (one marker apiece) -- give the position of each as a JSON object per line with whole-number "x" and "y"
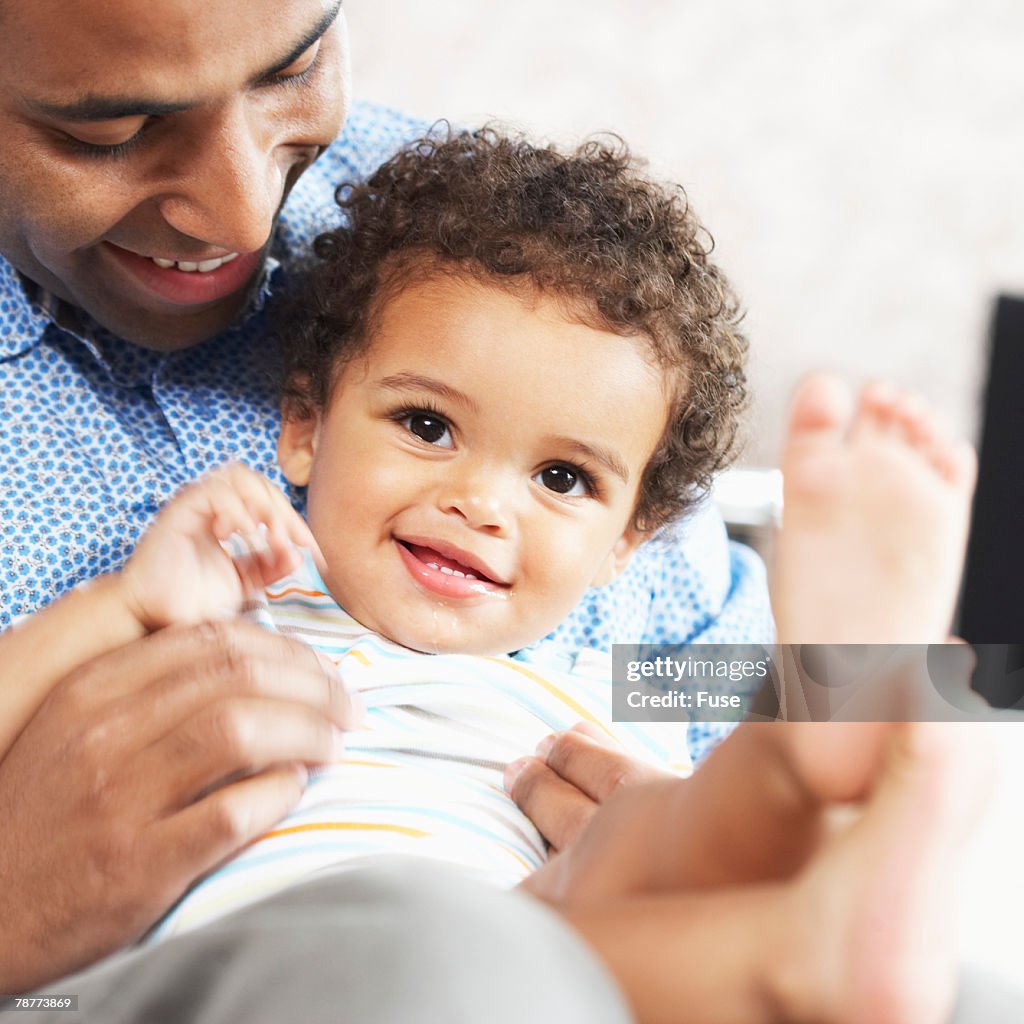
{"x": 274, "y": 595}
{"x": 344, "y": 826}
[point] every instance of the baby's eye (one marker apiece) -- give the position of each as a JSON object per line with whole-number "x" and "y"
{"x": 563, "y": 480}
{"x": 430, "y": 428}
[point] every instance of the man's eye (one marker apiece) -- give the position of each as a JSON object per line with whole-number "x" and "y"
{"x": 563, "y": 480}
{"x": 116, "y": 140}
{"x": 430, "y": 428}
{"x": 302, "y": 67}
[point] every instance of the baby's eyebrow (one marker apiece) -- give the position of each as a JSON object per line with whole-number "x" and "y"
{"x": 418, "y": 382}
{"x": 611, "y": 460}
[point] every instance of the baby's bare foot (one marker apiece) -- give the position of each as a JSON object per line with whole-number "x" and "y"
{"x": 877, "y": 504}
{"x": 872, "y": 940}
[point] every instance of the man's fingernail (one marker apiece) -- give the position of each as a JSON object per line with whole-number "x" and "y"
{"x": 545, "y": 745}
{"x": 512, "y": 772}
{"x": 339, "y": 743}
{"x": 326, "y": 662}
{"x": 356, "y": 709}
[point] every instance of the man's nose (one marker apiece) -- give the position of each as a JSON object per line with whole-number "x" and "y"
{"x": 226, "y": 188}
{"x": 481, "y": 495}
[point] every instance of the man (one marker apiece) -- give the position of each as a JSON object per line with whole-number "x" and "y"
{"x": 148, "y": 150}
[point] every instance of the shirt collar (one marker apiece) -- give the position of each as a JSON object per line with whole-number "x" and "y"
{"x": 23, "y": 317}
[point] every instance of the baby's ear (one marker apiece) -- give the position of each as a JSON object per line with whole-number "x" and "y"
{"x": 296, "y": 445}
{"x": 619, "y": 556}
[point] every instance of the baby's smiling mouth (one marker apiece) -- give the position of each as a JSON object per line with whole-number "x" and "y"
{"x": 464, "y": 566}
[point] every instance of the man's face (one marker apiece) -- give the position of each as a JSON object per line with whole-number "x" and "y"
{"x": 139, "y": 133}
{"x": 478, "y": 468}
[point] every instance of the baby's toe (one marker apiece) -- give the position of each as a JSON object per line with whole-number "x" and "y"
{"x": 821, "y": 407}
{"x": 917, "y": 422}
{"x": 877, "y": 413}
{"x": 957, "y": 463}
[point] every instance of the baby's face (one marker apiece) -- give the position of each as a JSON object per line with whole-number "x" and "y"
{"x": 477, "y": 469}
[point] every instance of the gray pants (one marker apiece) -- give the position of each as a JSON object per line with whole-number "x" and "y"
{"x": 404, "y": 942}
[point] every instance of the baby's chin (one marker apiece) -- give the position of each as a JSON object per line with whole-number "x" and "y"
{"x": 483, "y": 646}
{"x": 459, "y": 637}
{"x": 434, "y": 629}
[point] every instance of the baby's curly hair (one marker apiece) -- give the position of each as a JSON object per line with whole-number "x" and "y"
{"x": 625, "y": 253}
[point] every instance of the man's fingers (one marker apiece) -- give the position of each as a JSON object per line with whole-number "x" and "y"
{"x": 287, "y": 675}
{"x": 208, "y": 832}
{"x": 559, "y": 809}
{"x": 226, "y": 707}
{"x": 232, "y": 738}
{"x": 598, "y": 770}
{"x": 167, "y": 676}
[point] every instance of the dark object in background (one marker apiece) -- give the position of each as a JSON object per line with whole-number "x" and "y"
{"x": 992, "y": 603}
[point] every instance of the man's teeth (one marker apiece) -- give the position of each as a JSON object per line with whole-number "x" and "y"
{"x": 451, "y": 572}
{"x": 203, "y": 267}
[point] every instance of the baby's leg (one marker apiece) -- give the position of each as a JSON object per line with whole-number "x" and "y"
{"x": 877, "y": 504}
{"x": 875, "y": 524}
{"x": 754, "y": 812}
{"x": 858, "y": 936}
{"x": 876, "y": 511}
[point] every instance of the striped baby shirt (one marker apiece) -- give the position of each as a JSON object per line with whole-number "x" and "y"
{"x": 423, "y": 776}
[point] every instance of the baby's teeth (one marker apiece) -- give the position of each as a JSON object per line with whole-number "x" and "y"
{"x": 451, "y": 572}
{"x": 163, "y": 264}
{"x": 188, "y": 267}
{"x": 230, "y": 256}
{"x": 207, "y": 265}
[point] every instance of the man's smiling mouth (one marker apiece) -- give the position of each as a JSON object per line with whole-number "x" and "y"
{"x": 183, "y": 282}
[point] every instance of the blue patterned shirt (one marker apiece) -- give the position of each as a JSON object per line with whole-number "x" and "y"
{"x": 97, "y": 433}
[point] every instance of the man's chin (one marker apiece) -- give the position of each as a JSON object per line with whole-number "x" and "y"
{"x": 172, "y": 332}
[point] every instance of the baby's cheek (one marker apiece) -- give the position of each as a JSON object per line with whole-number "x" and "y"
{"x": 560, "y": 593}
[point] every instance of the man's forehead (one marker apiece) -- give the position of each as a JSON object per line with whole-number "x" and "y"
{"x": 126, "y": 45}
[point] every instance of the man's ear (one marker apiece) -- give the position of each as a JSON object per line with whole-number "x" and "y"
{"x": 619, "y": 556}
{"x": 296, "y": 445}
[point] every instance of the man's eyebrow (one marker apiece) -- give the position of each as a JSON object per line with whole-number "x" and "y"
{"x": 406, "y": 382}
{"x": 107, "y": 108}
{"x": 611, "y": 460}
{"x": 92, "y": 107}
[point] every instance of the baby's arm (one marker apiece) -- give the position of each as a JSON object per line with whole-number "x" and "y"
{"x": 178, "y": 574}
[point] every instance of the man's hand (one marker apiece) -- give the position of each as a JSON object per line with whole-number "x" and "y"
{"x": 571, "y": 775}
{"x": 141, "y": 771}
